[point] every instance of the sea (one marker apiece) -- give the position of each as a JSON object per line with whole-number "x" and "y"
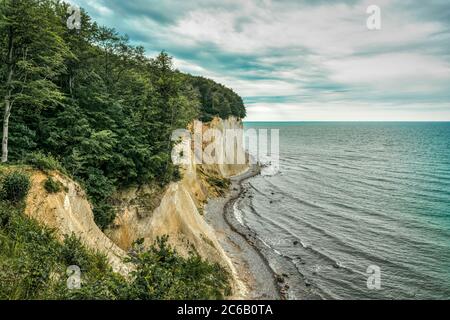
{"x": 360, "y": 209}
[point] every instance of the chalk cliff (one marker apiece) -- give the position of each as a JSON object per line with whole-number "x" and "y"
{"x": 69, "y": 212}
{"x": 146, "y": 212}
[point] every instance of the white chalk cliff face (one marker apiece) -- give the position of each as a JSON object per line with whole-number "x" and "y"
{"x": 178, "y": 214}
{"x": 144, "y": 212}
{"x": 69, "y": 212}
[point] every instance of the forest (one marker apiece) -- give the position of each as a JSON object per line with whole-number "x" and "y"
{"x": 89, "y": 103}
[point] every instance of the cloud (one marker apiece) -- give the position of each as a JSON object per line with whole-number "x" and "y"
{"x": 301, "y": 59}
{"x": 342, "y": 111}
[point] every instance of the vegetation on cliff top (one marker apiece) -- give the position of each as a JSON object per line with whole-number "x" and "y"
{"x": 90, "y": 103}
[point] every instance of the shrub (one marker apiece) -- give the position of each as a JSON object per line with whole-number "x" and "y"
{"x": 27, "y": 256}
{"x": 6, "y": 211}
{"x": 176, "y": 175}
{"x": 74, "y": 253}
{"x": 52, "y": 186}
{"x": 162, "y": 274}
{"x": 221, "y": 185}
{"x": 15, "y": 186}
{"x": 43, "y": 162}
{"x": 104, "y": 215}
{"x": 100, "y": 189}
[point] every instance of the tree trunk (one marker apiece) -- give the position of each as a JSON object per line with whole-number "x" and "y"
{"x": 71, "y": 84}
{"x": 6, "y": 130}
{"x": 8, "y": 102}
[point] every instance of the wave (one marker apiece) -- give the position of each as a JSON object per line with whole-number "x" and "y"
{"x": 353, "y": 195}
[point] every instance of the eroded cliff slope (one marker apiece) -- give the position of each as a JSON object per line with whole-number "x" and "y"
{"x": 145, "y": 213}
{"x": 179, "y": 213}
{"x": 69, "y": 212}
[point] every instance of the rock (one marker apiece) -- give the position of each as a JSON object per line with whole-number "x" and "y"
{"x": 279, "y": 278}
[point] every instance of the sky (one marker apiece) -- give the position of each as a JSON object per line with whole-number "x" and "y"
{"x": 302, "y": 60}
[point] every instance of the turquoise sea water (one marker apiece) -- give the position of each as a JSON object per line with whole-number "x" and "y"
{"x": 352, "y": 195}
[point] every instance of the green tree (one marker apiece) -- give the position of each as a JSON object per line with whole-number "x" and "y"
{"x": 32, "y": 54}
{"x": 93, "y": 102}
{"x": 165, "y": 106}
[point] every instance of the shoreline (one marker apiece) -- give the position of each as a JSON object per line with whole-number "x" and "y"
{"x": 266, "y": 274}
{"x": 240, "y": 244}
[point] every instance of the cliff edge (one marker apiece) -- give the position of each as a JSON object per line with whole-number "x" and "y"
{"x": 179, "y": 213}
{"x": 145, "y": 213}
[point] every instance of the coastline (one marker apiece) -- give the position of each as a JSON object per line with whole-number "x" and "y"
{"x": 267, "y": 275}
{"x": 261, "y": 282}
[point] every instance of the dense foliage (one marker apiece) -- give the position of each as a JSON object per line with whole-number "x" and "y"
{"x": 14, "y": 186}
{"x": 162, "y": 274}
{"x": 33, "y": 265}
{"x": 93, "y": 104}
{"x": 52, "y": 186}
{"x": 217, "y": 100}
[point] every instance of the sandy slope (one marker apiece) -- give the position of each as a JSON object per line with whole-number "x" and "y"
{"x": 68, "y": 212}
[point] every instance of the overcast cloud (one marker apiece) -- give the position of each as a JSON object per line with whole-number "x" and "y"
{"x": 302, "y": 60}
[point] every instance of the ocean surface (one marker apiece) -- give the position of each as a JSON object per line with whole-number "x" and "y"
{"x": 353, "y": 195}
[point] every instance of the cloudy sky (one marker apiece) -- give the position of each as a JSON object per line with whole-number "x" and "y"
{"x": 294, "y": 60}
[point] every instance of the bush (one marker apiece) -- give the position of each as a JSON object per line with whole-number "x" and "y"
{"x": 221, "y": 185}
{"x": 104, "y": 215}
{"x": 100, "y": 189}
{"x": 6, "y": 212}
{"x": 15, "y": 186}
{"x": 43, "y": 162}
{"x": 27, "y": 256}
{"x": 52, "y": 186}
{"x": 162, "y": 274}
{"x": 74, "y": 253}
